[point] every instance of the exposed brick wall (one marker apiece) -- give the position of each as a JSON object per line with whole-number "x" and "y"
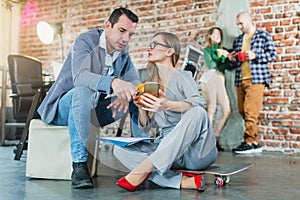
{"x": 280, "y": 117}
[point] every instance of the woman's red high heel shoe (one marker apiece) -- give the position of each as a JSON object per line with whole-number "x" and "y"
{"x": 199, "y": 180}
{"x": 123, "y": 183}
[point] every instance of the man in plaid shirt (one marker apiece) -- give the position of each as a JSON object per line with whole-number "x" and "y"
{"x": 252, "y": 75}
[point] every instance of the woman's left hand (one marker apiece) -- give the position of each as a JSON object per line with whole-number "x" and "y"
{"x": 152, "y": 103}
{"x": 231, "y": 56}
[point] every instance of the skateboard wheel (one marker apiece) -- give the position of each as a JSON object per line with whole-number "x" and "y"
{"x": 219, "y": 181}
{"x": 226, "y": 179}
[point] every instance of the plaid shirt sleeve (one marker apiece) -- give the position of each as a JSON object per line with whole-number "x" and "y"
{"x": 263, "y": 46}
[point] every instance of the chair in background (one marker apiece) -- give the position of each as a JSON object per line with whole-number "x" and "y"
{"x": 192, "y": 60}
{"x": 23, "y": 70}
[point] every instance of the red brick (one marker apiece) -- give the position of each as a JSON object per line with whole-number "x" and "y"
{"x": 295, "y": 130}
{"x": 287, "y": 123}
{"x": 295, "y": 101}
{"x": 268, "y": 137}
{"x": 285, "y": 145}
{"x": 278, "y": 66}
{"x": 295, "y": 116}
{"x": 275, "y": 93}
{"x": 287, "y": 79}
{"x": 267, "y": 24}
{"x": 267, "y": 16}
{"x": 295, "y": 145}
{"x": 289, "y": 137}
{"x": 287, "y": 43}
{"x": 272, "y": 144}
{"x": 285, "y": 22}
{"x": 278, "y": 30}
{"x": 291, "y": 28}
{"x": 274, "y": 1}
{"x": 278, "y": 37}
{"x": 292, "y": 49}
{"x": 291, "y": 65}
{"x": 280, "y": 131}
{"x": 278, "y": 137}
{"x": 276, "y": 123}
{"x": 288, "y": 93}
{"x": 279, "y": 15}
{"x": 296, "y": 20}
{"x": 287, "y": 58}
{"x": 278, "y": 100}
{"x": 257, "y": 3}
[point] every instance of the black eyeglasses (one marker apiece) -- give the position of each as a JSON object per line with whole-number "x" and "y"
{"x": 153, "y": 44}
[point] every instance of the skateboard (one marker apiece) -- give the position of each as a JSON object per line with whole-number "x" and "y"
{"x": 222, "y": 173}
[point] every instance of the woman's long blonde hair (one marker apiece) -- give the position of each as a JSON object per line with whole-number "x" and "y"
{"x": 171, "y": 41}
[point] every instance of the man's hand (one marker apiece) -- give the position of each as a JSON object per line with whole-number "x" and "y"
{"x": 118, "y": 105}
{"x": 231, "y": 56}
{"x": 250, "y": 55}
{"x": 124, "y": 90}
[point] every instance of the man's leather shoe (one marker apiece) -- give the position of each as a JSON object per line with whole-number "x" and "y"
{"x": 80, "y": 176}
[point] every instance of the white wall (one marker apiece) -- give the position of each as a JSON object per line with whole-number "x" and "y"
{"x": 9, "y": 32}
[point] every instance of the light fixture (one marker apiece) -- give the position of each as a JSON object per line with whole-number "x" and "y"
{"x": 9, "y": 4}
{"x": 47, "y": 32}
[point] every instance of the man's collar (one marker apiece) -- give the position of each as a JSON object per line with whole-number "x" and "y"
{"x": 102, "y": 44}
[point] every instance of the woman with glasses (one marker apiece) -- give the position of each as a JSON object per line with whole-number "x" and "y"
{"x": 186, "y": 139}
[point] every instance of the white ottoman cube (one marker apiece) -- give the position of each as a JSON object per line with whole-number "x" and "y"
{"x": 49, "y": 154}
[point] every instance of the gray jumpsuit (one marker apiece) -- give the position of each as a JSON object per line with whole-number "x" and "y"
{"x": 186, "y": 140}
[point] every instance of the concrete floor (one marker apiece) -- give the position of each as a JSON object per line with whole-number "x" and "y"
{"x": 274, "y": 176}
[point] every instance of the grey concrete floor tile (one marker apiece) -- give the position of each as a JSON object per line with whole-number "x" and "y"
{"x": 274, "y": 176}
